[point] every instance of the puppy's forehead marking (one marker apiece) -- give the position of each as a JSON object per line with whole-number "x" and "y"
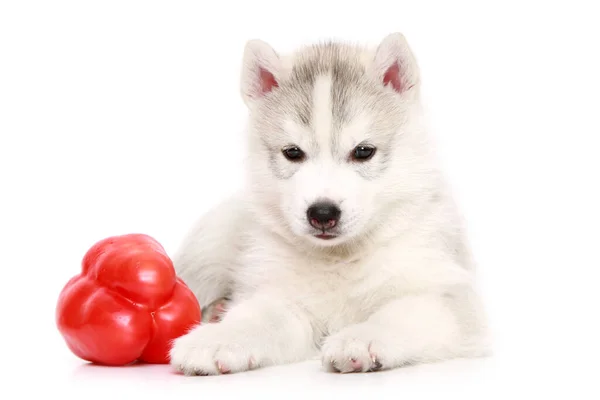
{"x": 322, "y": 112}
{"x": 343, "y": 66}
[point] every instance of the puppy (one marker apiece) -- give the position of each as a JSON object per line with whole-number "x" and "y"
{"x": 345, "y": 242}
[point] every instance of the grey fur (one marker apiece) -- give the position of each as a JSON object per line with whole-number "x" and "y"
{"x": 354, "y": 91}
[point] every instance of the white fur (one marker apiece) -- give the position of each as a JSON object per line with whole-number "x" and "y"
{"x": 321, "y": 111}
{"x": 396, "y": 287}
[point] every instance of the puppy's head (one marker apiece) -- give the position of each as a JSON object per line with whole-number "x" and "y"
{"x": 333, "y": 137}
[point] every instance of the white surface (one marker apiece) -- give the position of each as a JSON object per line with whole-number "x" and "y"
{"x": 122, "y": 116}
{"x": 456, "y": 379}
{"x": 526, "y": 376}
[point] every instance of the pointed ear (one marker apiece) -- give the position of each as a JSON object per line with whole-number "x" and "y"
{"x": 395, "y": 65}
{"x": 260, "y": 70}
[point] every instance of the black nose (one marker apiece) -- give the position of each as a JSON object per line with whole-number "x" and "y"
{"x": 323, "y": 215}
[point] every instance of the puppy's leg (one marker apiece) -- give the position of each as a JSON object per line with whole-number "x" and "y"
{"x": 258, "y": 332}
{"x": 412, "y": 329}
{"x": 208, "y": 257}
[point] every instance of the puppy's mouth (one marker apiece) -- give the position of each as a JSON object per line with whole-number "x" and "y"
{"x": 325, "y": 236}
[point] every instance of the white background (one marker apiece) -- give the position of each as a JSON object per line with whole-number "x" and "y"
{"x": 125, "y": 116}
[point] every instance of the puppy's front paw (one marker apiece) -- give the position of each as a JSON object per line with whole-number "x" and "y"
{"x": 213, "y": 349}
{"x": 357, "y": 348}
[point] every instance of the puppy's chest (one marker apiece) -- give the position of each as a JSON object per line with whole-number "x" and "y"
{"x": 337, "y": 295}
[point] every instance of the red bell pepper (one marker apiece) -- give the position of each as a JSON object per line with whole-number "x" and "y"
{"x": 127, "y": 304}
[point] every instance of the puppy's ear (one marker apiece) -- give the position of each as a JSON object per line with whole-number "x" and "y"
{"x": 260, "y": 70}
{"x": 395, "y": 65}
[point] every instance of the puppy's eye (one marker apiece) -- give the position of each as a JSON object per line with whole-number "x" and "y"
{"x": 293, "y": 153}
{"x": 362, "y": 152}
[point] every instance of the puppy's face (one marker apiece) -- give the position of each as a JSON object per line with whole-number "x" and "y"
{"x": 326, "y": 134}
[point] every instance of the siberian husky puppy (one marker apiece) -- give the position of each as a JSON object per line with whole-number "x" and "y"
{"x": 345, "y": 243}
